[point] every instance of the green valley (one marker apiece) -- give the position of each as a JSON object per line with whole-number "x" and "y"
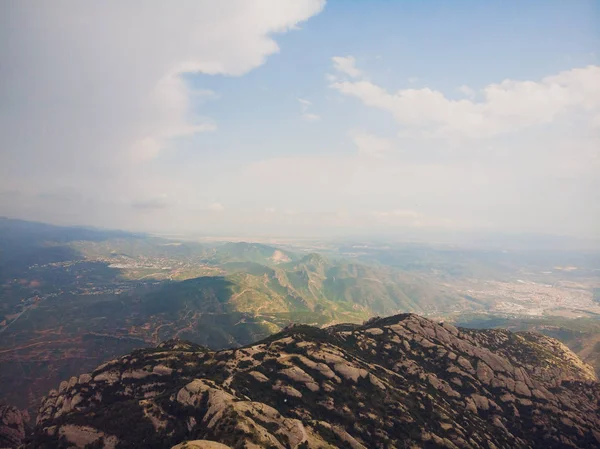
{"x": 71, "y": 298}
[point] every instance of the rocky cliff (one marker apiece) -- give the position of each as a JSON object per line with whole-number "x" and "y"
{"x": 13, "y": 424}
{"x": 402, "y": 381}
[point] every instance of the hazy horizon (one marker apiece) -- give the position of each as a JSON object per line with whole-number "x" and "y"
{"x": 476, "y": 240}
{"x": 303, "y": 118}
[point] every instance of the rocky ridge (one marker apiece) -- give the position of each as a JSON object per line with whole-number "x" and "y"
{"x": 402, "y": 381}
{"x": 13, "y": 426}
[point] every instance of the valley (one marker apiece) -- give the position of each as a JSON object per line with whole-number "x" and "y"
{"x": 71, "y": 299}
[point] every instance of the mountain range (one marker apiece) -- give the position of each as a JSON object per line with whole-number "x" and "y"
{"x": 73, "y": 298}
{"x": 401, "y": 381}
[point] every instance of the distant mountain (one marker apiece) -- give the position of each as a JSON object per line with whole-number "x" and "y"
{"x": 310, "y": 290}
{"x": 402, "y": 381}
{"x": 32, "y": 232}
{"x": 67, "y": 303}
{"x": 232, "y": 252}
{"x": 25, "y": 243}
{"x": 71, "y": 298}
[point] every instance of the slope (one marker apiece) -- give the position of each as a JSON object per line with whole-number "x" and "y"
{"x": 402, "y": 381}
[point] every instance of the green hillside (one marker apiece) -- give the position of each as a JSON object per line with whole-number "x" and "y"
{"x": 71, "y": 298}
{"x": 311, "y": 288}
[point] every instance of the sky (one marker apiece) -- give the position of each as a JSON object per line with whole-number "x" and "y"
{"x": 301, "y": 117}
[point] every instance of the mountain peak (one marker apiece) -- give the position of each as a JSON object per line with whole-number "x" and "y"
{"x": 393, "y": 382}
{"x": 312, "y": 261}
{"x": 175, "y": 344}
{"x": 314, "y": 258}
{"x": 252, "y": 252}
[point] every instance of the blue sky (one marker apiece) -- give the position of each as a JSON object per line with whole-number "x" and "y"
{"x": 239, "y": 119}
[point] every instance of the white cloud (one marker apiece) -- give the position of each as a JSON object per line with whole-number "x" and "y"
{"x": 544, "y": 181}
{"x": 304, "y": 103}
{"x": 466, "y": 91}
{"x": 201, "y": 96}
{"x": 150, "y": 147}
{"x": 308, "y": 117}
{"x": 346, "y": 65}
{"x": 97, "y": 115}
{"x": 397, "y": 213}
{"x": 270, "y": 210}
{"x": 372, "y": 146}
{"x": 507, "y": 107}
{"x": 215, "y": 207}
{"x": 158, "y": 202}
{"x": 110, "y": 83}
{"x": 304, "y": 107}
{"x": 410, "y": 218}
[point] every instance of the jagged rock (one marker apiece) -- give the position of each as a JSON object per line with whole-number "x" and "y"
{"x": 481, "y": 402}
{"x": 297, "y": 374}
{"x": 72, "y": 382}
{"x": 375, "y": 381}
{"x": 259, "y": 376}
{"x": 12, "y": 426}
{"x": 287, "y": 389}
{"x": 135, "y": 374}
{"x": 401, "y": 381}
{"x": 463, "y": 362}
{"x": 81, "y": 436}
{"x": 110, "y": 377}
{"x": 349, "y": 371}
{"x": 507, "y": 397}
{"x": 484, "y": 372}
{"x": 200, "y": 444}
{"x": 85, "y": 378}
{"x": 254, "y": 421}
{"x": 162, "y": 370}
{"x": 63, "y": 386}
{"x": 321, "y": 367}
{"x": 521, "y": 388}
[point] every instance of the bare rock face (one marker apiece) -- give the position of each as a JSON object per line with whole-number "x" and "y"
{"x": 402, "y": 381}
{"x": 200, "y": 444}
{"x": 12, "y": 426}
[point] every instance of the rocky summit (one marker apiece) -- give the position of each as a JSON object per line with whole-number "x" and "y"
{"x": 398, "y": 382}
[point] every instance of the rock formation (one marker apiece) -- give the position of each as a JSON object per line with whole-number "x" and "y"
{"x": 402, "y": 381}
{"x": 12, "y": 426}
